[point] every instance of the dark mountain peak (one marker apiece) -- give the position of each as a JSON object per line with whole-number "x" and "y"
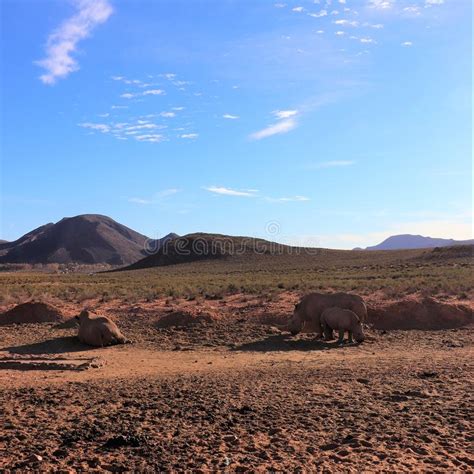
{"x": 86, "y": 239}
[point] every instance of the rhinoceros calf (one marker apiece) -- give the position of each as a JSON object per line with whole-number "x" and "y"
{"x": 308, "y": 311}
{"x": 99, "y": 331}
{"x": 342, "y": 320}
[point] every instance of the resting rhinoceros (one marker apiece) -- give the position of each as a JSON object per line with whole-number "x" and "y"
{"x": 98, "y": 331}
{"x": 308, "y": 311}
{"x": 342, "y": 320}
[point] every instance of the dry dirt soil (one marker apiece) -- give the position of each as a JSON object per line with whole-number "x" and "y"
{"x": 215, "y": 386}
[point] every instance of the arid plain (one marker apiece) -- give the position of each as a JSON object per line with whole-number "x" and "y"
{"x": 210, "y": 383}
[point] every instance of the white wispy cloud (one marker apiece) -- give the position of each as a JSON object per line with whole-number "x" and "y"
{"x": 62, "y": 43}
{"x": 231, "y": 192}
{"x": 434, "y": 2}
{"x": 368, "y": 40}
{"x": 140, "y": 130}
{"x": 189, "y": 136}
{"x": 284, "y": 114}
{"x": 407, "y": 44}
{"x": 230, "y": 116}
{"x": 131, "y": 95}
{"x": 346, "y": 22}
{"x": 129, "y": 82}
{"x": 320, "y": 14}
{"x": 167, "y": 192}
{"x": 167, "y": 114}
{"x": 340, "y": 33}
{"x": 100, "y": 127}
{"x": 141, "y": 126}
{"x": 137, "y": 200}
{"x": 332, "y": 164}
{"x": 152, "y": 138}
{"x": 153, "y": 92}
{"x": 280, "y": 127}
{"x": 280, "y": 5}
{"x": 288, "y": 199}
{"x": 381, "y": 4}
{"x": 412, "y": 10}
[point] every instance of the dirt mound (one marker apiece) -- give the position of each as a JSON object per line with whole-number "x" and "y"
{"x": 426, "y": 313}
{"x": 31, "y": 312}
{"x": 183, "y": 319}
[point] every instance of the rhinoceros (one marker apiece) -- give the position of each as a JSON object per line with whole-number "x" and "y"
{"x": 99, "y": 331}
{"x": 342, "y": 320}
{"x": 308, "y": 311}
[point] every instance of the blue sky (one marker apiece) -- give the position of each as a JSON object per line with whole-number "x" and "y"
{"x": 331, "y": 123}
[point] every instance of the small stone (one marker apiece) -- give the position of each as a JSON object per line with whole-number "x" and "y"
{"x": 34, "y": 458}
{"x": 427, "y": 374}
{"x": 231, "y": 439}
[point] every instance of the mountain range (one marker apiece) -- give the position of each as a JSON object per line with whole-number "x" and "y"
{"x": 86, "y": 239}
{"x": 409, "y": 241}
{"x": 95, "y": 239}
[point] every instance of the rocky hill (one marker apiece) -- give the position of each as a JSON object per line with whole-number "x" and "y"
{"x": 85, "y": 239}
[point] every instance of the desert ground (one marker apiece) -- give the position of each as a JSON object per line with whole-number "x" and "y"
{"x": 211, "y": 384}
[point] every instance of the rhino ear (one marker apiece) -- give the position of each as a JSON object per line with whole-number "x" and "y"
{"x": 297, "y": 305}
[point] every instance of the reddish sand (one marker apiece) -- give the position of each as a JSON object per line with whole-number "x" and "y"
{"x": 229, "y": 393}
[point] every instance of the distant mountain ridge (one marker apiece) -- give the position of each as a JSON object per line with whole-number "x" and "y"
{"x": 84, "y": 239}
{"x": 409, "y": 241}
{"x": 203, "y": 246}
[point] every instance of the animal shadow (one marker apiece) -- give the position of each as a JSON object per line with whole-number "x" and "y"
{"x": 59, "y": 345}
{"x": 281, "y": 342}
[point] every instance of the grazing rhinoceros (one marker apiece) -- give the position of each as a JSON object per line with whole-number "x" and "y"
{"x": 99, "y": 331}
{"x": 342, "y": 320}
{"x": 308, "y": 311}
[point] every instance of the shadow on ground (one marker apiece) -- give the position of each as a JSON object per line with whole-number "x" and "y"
{"x": 59, "y": 345}
{"x": 281, "y": 342}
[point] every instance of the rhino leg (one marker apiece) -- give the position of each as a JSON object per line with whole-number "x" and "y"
{"x": 341, "y": 336}
{"x": 350, "y": 338}
{"x": 328, "y": 335}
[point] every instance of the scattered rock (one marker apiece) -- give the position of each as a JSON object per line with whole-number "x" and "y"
{"x": 329, "y": 446}
{"x": 34, "y": 459}
{"x": 231, "y": 439}
{"x": 124, "y": 440}
{"x": 427, "y": 374}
